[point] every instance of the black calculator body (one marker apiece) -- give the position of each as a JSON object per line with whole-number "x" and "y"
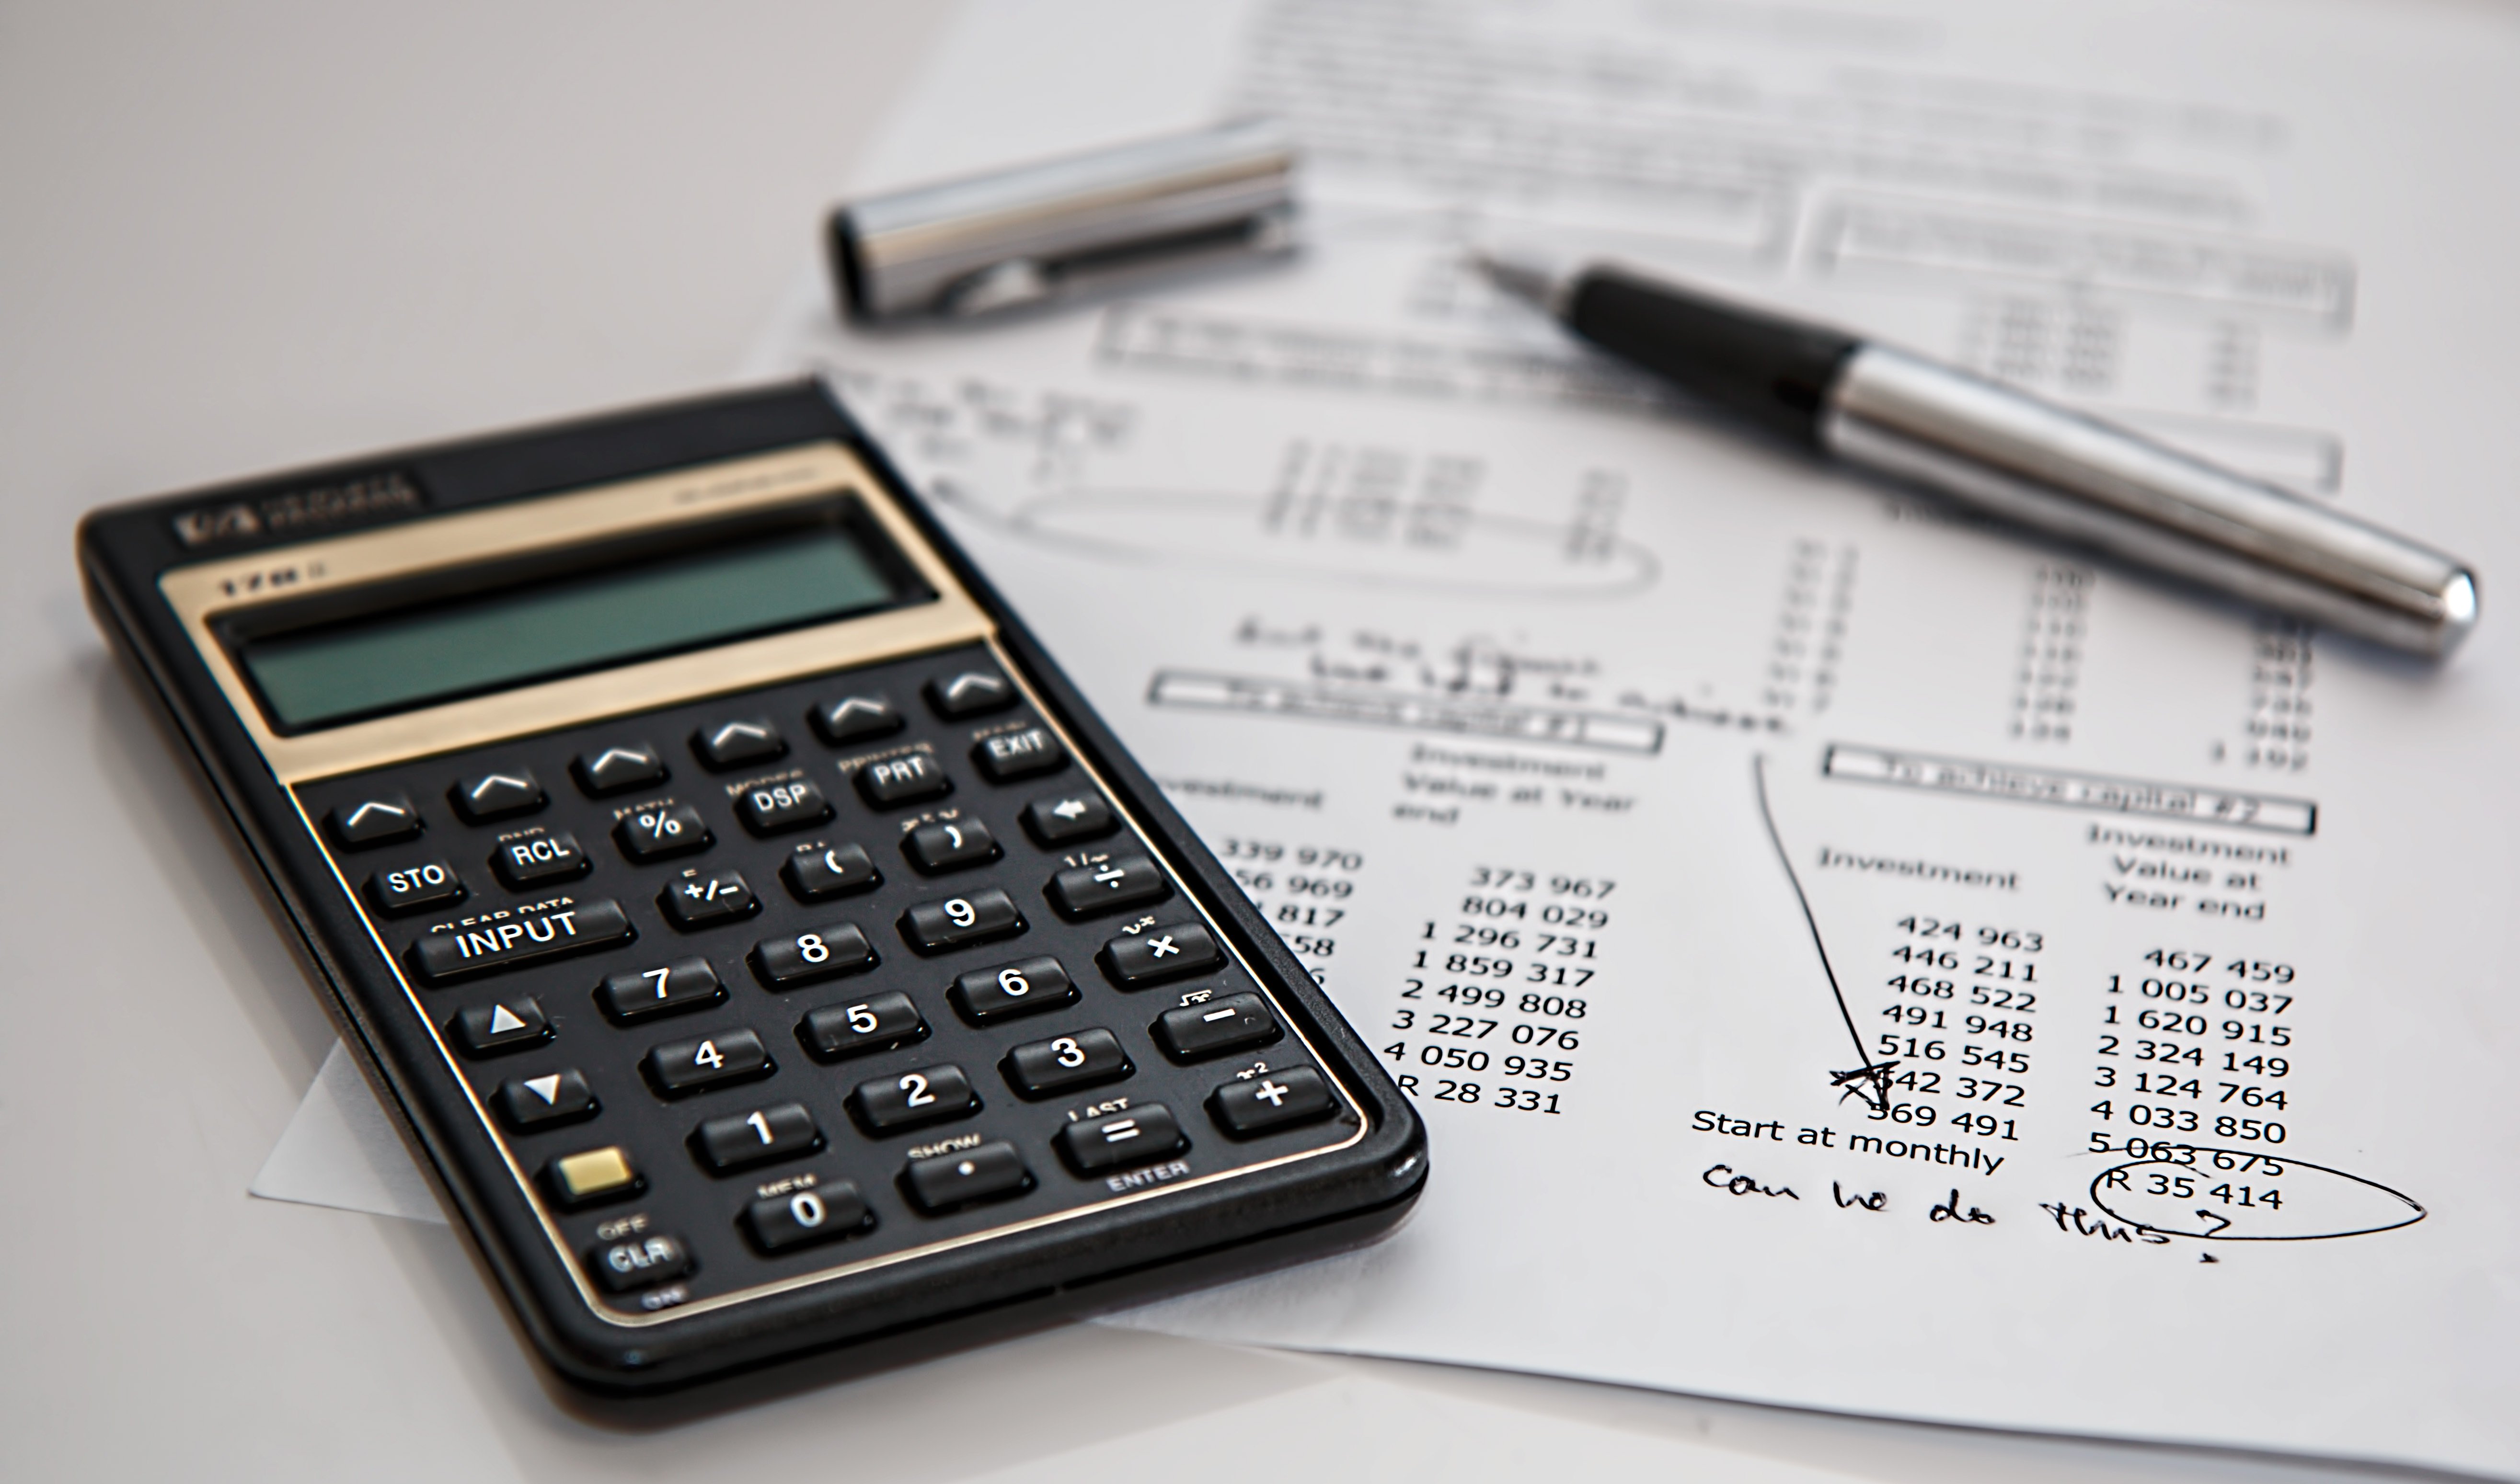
{"x": 762, "y": 942}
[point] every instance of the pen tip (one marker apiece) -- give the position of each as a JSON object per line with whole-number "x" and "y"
{"x": 1525, "y": 278}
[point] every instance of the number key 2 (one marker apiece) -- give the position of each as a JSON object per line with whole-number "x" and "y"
{"x": 882, "y": 1104}
{"x": 706, "y": 1061}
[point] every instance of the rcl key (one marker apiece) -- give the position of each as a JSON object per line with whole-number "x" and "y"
{"x": 532, "y": 860}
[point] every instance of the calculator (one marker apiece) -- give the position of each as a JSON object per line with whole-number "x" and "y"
{"x": 761, "y": 942}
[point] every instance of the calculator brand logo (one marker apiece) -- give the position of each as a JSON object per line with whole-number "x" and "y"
{"x": 370, "y": 497}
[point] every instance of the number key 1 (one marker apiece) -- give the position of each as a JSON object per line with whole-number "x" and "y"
{"x": 780, "y": 1131}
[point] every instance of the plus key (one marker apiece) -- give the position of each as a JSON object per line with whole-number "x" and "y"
{"x": 1249, "y": 1106}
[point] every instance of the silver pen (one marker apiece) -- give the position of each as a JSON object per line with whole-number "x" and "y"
{"x": 2015, "y": 455}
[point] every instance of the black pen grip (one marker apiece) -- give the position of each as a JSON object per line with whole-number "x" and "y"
{"x": 1772, "y": 370}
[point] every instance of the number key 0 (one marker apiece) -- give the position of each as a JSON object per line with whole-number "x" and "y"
{"x": 885, "y": 1103}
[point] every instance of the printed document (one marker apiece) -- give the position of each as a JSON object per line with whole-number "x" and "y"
{"x": 1847, "y": 956}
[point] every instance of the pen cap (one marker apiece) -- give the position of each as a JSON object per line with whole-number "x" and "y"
{"x": 1043, "y": 231}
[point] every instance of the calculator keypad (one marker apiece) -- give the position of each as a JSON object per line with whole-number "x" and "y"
{"x": 872, "y": 975}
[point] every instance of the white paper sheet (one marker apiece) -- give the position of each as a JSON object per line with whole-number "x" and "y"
{"x": 1458, "y": 643}
{"x": 1538, "y": 717}
{"x": 339, "y": 1150}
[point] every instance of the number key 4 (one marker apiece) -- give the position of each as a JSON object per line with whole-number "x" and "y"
{"x": 705, "y": 1061}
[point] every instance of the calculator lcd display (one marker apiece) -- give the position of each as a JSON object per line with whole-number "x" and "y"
{"x": 541, "y": 630}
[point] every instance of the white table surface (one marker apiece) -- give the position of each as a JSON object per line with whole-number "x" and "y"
{"x": 262, "y": 234}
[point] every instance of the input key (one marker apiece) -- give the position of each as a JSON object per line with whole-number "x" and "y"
{"x": 519, "y": 935}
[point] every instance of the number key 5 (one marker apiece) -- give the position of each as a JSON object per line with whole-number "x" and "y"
{"x": 876, "y": 1023}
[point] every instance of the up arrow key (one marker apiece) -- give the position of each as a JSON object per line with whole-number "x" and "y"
{"x": 374, "y": 821}
{"x": 494, "y": 1030}
{"x": 973, "y": 692}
